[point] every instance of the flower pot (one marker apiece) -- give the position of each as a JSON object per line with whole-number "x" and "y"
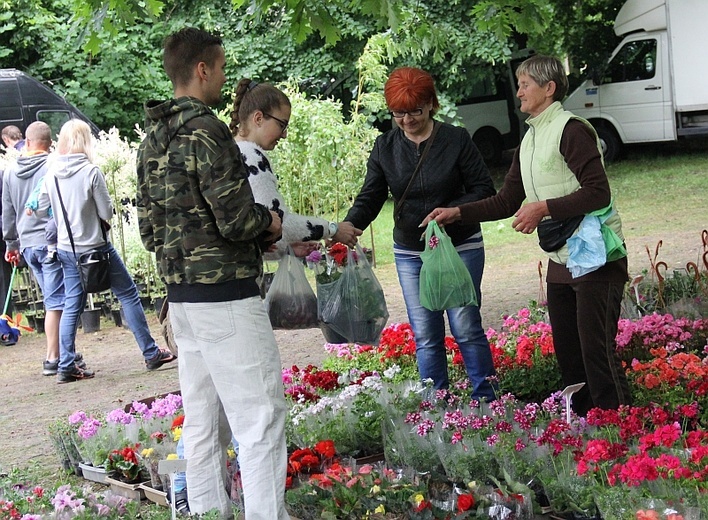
{"x": 154, "y": 495}
{"x": 93, "y": 473}
{"x": 370, "y": 459}
{"x": 38, "y": 324}
{"x": 130, "y": 491}
{"x": 91, "y": 320}
{"x": 124, "y": 322}
{"x": 158, "y": 303}
{"x": 116, "y": 317}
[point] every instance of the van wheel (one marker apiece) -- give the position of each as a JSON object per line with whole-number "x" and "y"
{"x": 489, "y": 144}
{"x": 610, "y": 141}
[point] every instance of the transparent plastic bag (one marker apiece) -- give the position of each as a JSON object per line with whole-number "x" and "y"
{"x": 586, "y": 249}
{"x": 290, "y": 301}
{"x": 445, "y": 282}
{"x": 354, "y": 305}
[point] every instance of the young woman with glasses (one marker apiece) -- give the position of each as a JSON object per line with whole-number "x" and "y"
{"x": 452, "y": 172}
{"x": 259, "y": 120}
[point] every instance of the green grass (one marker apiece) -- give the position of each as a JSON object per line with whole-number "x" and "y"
{"x": 657, "y": 190}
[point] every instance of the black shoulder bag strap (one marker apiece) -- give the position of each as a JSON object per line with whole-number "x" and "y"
{"x": 66, "y": 220}
{"x": 399, "y": 204}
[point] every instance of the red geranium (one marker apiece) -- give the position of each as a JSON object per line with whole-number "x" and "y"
{"x": 177, "y": 422}
{"x": 310, "y": 461}
{"x": 339, "y": 253}
{"x": 124, "y": 462}
{"x": 465, "y": 502}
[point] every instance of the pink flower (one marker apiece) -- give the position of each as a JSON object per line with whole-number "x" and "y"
{"x": 365, "y": 469}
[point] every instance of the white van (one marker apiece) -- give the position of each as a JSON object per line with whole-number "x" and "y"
{"x": 654, "y": 86}
{"x": 491, "y": 114}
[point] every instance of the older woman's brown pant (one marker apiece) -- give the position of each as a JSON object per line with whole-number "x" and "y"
{"x": 584, "y": 319}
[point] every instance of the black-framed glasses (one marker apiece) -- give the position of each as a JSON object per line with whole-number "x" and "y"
{"x": 283, "y": 124}
{"x": 400, "y": 114}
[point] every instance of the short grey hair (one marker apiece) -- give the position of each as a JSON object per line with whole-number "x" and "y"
{"x": 543, "y": 69}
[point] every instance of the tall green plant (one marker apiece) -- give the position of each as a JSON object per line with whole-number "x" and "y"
{"x": 116, "y": 157}
{"x": 322, "y": 163}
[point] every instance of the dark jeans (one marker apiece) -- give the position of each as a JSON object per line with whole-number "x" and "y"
{"x": 584, "y": 319}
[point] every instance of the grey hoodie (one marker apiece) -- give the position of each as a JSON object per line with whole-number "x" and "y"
{"x": 18, "y": 228}
{"x": 86, "y": 199}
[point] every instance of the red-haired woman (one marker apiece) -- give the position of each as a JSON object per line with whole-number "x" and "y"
{"x": 451, "y": 173}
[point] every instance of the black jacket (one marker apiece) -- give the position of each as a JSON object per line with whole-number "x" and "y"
{"x": 453, "y": 173}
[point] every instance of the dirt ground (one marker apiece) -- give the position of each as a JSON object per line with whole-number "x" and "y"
{"x": 29, "y": 402}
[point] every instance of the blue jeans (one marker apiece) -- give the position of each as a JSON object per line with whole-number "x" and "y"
{"x": 465, "y": 326}
{"x": 123, "y": 288}
{"x": 49, "y": 277}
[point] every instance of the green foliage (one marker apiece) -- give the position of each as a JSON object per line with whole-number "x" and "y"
{"x": 588, "y": 30}
{"x": 110, "y": 88}
{"x": 321, "y": 164}
{"x": 680, "y": 293}
{"x": 124, "y": 37}
{"x": 25, "y": 30}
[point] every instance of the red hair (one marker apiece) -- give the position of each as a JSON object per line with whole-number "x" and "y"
{"x": 408, "y": 88}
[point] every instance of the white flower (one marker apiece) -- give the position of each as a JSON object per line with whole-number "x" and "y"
{"x": 391, "y": 372}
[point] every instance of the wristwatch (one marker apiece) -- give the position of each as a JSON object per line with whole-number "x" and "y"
{"x": 333, "y": 228}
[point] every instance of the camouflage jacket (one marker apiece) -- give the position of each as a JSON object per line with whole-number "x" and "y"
{"x": 195, "y": 206}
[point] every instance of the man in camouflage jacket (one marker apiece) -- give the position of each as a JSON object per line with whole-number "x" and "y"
{"x": 197, "y": 213}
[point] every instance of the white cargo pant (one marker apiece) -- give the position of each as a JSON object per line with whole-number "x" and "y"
{"x": 229, "y": 366}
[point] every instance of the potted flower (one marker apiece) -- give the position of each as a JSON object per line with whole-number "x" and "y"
{"x": 123, "y": 464}
{"x": 349, "y": 414}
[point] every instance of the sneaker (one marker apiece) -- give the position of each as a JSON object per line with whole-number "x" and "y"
{"x": 51, "y": 257}
{"x": 75, "y": 375}
{"x": 50, "y": 368}
{"x": 163, "y": 356}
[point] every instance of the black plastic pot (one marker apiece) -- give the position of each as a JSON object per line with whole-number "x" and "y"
{"x": 91, "y": 320}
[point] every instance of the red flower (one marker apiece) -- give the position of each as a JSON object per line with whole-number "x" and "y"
{"x": 339, "y": 253}
{"x": 326, "y": 449}
{"x": 424, "y": 504}
{"x": 178, "y": 422}
{"x": 647, "y": 514}
{"x": 465, "y": 502}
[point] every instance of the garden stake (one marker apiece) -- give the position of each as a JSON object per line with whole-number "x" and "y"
{"x": 9, "y": 290}
{"x": 170, "y": 467}
{"x": 566, "y": 394}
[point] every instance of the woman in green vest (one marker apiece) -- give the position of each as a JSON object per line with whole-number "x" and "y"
{"x": 558, "y": 169}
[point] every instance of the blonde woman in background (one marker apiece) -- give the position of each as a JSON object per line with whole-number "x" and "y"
{"x": 87, "y": 208}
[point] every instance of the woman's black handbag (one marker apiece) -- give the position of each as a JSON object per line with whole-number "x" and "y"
{"x": 94, "y": 266}
{"x": 553, "y": 234}
{"x": 95, "y": 271}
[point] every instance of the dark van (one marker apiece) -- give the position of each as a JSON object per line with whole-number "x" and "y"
{"x": 24, "y": 100}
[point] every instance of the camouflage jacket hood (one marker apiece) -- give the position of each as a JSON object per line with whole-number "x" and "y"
{"x": 195, "y": 206}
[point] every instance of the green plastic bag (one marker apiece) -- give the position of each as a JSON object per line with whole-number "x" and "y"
{"x": 614, "y": 246}
{"x": 445, "y": 282}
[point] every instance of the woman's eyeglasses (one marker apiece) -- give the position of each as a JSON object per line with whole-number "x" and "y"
{"x": 400, "y": 114}
{"x": 283, "y": 124}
